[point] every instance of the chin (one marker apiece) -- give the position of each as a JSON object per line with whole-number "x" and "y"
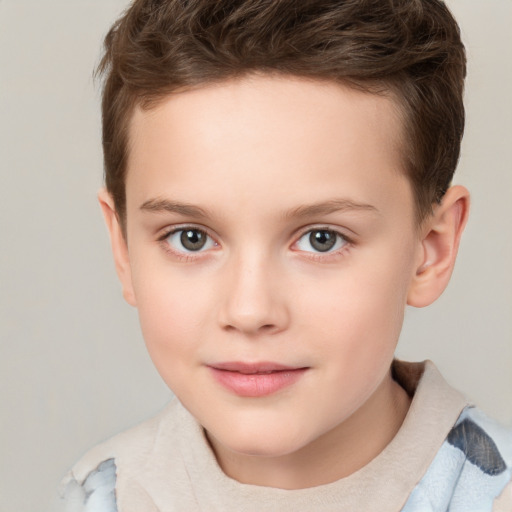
{"x": 258, "y": 443}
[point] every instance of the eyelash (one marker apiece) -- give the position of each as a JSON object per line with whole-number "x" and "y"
{"x": 329, "y": 255}
{"x": 183, "y": 255}
{"x": 313, "y": 255}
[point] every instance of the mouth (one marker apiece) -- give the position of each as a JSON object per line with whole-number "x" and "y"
{"x": 255, "y": 379}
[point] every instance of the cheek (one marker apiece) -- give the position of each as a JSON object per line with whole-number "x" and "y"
{"x": 173, "y": 314}
{"x": 355, "y": 335}
{"x": 360, "y": 308}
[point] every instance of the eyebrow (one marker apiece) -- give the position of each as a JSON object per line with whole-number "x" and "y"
{"x": 323, "y": 208}
{"x": 331, "y": 206}
{"x": 167, "y": 206}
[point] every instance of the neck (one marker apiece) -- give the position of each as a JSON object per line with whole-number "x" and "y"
{"x": 335, "y": 455}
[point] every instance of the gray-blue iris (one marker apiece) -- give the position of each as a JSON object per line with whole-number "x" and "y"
{"x": 322, "y": 240}
{"x": 193, "y": 239}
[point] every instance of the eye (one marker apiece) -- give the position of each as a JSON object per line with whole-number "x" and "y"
{"x": 189, "y": 240}
{"x": 321, "y": 240}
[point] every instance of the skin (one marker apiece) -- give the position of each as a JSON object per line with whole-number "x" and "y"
{"x": 256, "y": 157}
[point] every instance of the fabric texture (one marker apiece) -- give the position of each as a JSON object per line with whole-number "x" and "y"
{"x": 447, "y": 456}
{"x": 96, "y": 493}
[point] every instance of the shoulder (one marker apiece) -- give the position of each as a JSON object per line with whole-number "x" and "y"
{"x": 472, "y": 469}
{"x": 485, "y": 443}
{"x": 91, "y": 484}
{"x": 96, "y": 493}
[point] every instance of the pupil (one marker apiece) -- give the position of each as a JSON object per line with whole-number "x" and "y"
{"x": 193, "y": 239}
{"x": 322, "y": 240}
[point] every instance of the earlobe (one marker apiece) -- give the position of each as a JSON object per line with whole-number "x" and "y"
{"x": 118, "y": 244}
{"x": 439, "y": 245}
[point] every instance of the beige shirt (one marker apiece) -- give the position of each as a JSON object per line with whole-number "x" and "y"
{"x": 165, "y": 464}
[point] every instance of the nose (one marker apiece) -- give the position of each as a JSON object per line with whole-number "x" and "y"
{"x": 253, "y": 299}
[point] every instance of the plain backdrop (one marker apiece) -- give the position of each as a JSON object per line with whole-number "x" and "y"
{"x": 73, "y": 367}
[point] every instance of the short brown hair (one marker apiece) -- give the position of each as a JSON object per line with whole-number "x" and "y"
{"x": 410, "y": 48}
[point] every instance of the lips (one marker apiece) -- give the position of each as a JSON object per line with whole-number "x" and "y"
{"x": 255, "y": 379}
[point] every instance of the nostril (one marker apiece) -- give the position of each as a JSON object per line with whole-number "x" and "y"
{"x": 266, "y": 328}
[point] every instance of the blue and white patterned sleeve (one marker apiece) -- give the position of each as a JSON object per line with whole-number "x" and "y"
{"x": 470, "y": 470}
{"x": 96, "y": 494}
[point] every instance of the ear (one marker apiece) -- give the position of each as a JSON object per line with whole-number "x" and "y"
{"x": 119, "y": 246}
{"x": 439, "y": 244}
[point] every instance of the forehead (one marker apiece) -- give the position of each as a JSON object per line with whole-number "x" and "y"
{"x": 261, "y": 134}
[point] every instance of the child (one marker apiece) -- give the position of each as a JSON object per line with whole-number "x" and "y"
{"x": 277, "y": 191}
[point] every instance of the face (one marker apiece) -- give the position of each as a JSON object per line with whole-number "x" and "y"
{"x": 271, "y": 246}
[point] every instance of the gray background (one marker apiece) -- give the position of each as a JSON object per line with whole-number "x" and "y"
{"x": 73, "y": 367}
